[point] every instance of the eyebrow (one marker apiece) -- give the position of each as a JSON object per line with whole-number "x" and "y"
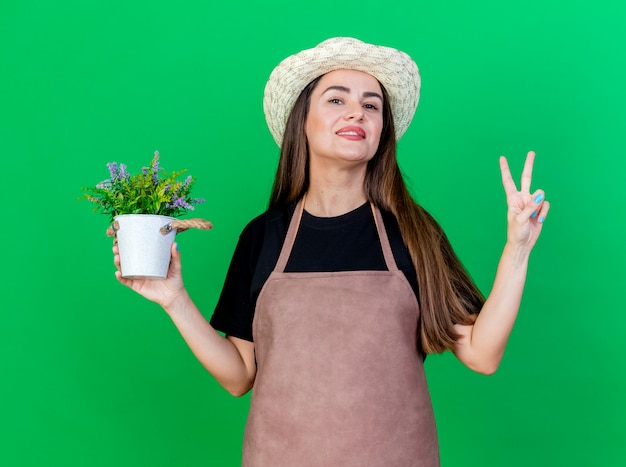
{"x": 347, "y": 90}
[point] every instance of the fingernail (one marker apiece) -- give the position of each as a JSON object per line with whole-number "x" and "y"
{"x": 177, "y": 247}
{"x": 539, "y": 198}
{"x": 533, "y": 214}
{"x": 541, "y": 219}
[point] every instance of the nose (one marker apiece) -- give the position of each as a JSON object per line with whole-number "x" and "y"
{"x": 354, "y": 112}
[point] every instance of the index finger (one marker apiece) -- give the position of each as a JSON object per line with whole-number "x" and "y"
{"x": 527, "y": 173}
{"x": 507, "y": 180}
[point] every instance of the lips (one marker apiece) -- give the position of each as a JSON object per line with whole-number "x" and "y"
{"x": 351, "y": 132}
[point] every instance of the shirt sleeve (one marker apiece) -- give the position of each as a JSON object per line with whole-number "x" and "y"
{"x": 234, "y": 311}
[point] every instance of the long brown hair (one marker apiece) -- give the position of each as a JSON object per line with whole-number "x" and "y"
{"x": 447, "y": 294}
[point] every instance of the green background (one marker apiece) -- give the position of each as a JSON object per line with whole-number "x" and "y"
{"x": 93, "y": 375}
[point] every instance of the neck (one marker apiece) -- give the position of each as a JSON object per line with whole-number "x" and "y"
{"x": 335, "y": 192}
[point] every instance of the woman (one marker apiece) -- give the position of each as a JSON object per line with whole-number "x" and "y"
{"x": 336, "y": 292}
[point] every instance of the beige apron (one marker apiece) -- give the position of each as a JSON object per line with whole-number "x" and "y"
{"x": 339, "y": 379}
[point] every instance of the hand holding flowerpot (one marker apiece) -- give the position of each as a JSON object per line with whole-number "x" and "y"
{"x": 166, "y": 291}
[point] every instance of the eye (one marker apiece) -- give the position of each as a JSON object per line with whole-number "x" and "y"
{"x": 370, "y": 106}
{"x": 335, "y": 100}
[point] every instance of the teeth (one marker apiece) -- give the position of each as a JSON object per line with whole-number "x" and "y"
{"x": 351, "y": 133}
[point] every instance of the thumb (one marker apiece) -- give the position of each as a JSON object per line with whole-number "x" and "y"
{"x": 533, "y": 207}
{"x": 175, "y": 263}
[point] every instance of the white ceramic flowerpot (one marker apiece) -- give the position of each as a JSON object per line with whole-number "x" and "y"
{"x": 145, "y": 252}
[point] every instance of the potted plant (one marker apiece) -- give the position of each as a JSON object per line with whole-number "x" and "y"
{"x": 142, "y": 209}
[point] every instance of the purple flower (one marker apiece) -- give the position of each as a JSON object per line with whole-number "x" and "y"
{"x": 112, "y": 170}
{"x": 123, "y": 172}
{"x": 179, "y": 203}
{"x": 118, "y": 172}
{"x": 155, "y": 168}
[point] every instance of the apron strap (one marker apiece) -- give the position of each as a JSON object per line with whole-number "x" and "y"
{"x": 384, "y": 239}
{"x": 285, "y": 252}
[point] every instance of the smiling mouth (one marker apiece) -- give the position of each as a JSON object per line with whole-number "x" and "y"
{"x": 357, "y": 133}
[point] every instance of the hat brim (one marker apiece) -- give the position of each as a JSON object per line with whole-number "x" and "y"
{"x": 394, "y": 69}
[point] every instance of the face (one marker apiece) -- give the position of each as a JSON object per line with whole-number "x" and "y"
{"x": 345, "y": 120}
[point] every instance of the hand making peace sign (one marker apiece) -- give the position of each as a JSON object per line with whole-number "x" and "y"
{"x": 526, "y": 212}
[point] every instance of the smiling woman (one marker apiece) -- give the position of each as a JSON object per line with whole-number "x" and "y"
{"x": 335, "y": 293}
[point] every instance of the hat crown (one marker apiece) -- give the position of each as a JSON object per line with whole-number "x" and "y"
{"x": 333, "y": 41}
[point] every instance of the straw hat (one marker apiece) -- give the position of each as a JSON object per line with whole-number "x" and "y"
{"x": 396, "y": 71}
